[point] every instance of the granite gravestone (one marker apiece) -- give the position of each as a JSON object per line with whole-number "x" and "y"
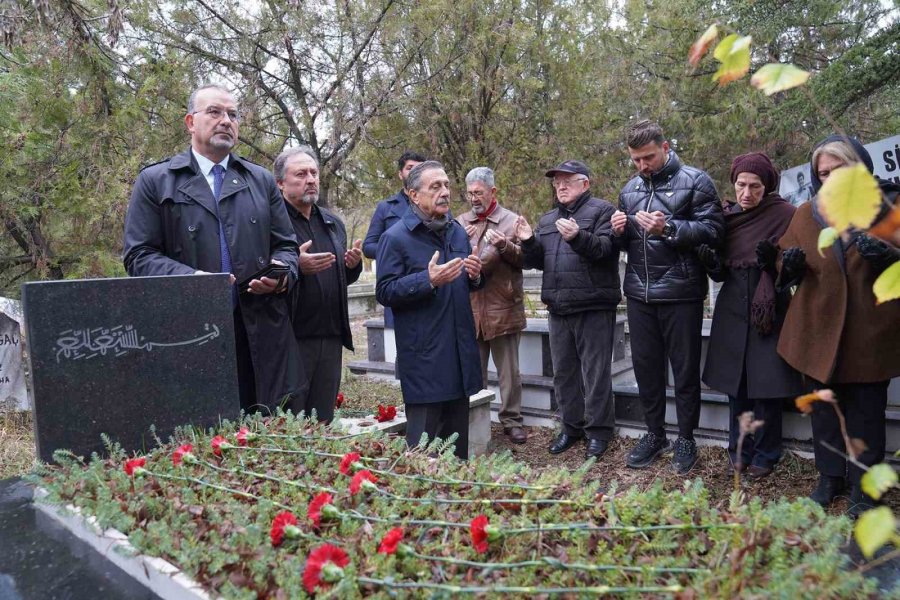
{"x": 13, "y": 392}
{"x": 116, "y": 356}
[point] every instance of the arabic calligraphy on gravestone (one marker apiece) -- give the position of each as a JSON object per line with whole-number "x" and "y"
{"x": 76, "y": 344}
{"x": 117, "y": 356}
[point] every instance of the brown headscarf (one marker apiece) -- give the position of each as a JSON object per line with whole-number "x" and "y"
{"x": 744, "y": 229}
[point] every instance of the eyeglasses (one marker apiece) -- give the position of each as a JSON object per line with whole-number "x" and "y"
{"x": 472, "y": 195}
{"x": 216, "y": 113}
{"x": 565, "y": 183}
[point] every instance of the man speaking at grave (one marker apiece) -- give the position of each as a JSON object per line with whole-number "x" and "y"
{"x": 426, "y": 269}
{"x": 318, "y": 300}
{"x": 208, "y": 210}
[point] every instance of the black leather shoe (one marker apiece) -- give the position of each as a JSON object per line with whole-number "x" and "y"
{"x": 827, "y": 490}
{"x": 563, "y": 442}
{"x": 596, "y": 448}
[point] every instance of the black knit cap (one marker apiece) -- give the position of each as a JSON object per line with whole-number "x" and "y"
{"x": 760, "y": 165}
{"x": 570, "y": 166}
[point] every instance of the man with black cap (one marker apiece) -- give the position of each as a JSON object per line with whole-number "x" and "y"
{"x": 575, "y": 247}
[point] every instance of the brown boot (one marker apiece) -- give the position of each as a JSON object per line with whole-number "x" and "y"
{"x": 516, "y": 435}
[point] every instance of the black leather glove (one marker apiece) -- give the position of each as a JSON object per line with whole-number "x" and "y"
{"x": 766, "y": 255}
{"x": 875, "y": 251}
{"x": 793, "y": 267}
{"x": 709, "y": 258}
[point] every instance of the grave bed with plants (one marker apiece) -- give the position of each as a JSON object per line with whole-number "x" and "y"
{"x": 282, "y": 507}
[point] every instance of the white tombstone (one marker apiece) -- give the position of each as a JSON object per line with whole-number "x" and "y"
{"x": 13, "y": 391}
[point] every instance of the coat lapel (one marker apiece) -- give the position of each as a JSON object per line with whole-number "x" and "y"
{"x": 197, "y": 189}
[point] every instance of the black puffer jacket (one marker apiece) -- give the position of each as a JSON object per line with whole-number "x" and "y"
{"x": 582, "y": 274}
{"x": 660, "y": 269}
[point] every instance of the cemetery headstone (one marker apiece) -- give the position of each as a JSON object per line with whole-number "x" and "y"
{"x": 13, "y": 391}
{"x": 117, "y": 356}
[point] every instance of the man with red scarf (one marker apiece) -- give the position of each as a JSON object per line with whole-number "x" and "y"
{"x": 499, "y": 307}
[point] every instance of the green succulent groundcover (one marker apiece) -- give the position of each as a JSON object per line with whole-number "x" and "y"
{"x": 283, "y": 507}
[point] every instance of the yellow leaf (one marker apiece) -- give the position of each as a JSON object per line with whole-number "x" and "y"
{"x": 777, "y": 77}
{"x": 699, "y": 48}
{"x": 734, "y": 54}
{"x": 874, "y": 529}
{"x": 850, "y": 197}
{"x": 887, "y": 286}
{"x": 879, "y": 479}
{"x": 827, "y": 237}
{"x": 804, "y": 403}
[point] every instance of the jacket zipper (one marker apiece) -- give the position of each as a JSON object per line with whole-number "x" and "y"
{"x": 646, "y": 250}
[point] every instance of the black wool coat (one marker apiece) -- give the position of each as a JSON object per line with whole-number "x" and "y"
{"x": 172, "y": 228}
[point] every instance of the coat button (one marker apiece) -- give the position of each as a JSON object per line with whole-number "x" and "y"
{"x": 261, "y": 260}
{"x": 192, "y": 228}
{"x": 234, "y": 181}
{"x": 253, "y": 220}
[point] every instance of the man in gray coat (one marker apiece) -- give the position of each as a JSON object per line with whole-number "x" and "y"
{"x": 208, "y": 211}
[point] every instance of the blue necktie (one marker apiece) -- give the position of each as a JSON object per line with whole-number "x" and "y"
{"x": 218, "y": 172}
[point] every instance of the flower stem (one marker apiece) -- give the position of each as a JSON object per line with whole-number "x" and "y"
{"x": 485, "y": 501}
{"x": 553, "y": 562}
{"x": 504, "y": 589}
{"x": 307, "y": 452}
{"x": 460, "y": 482}
{"x": 623, "y": 528}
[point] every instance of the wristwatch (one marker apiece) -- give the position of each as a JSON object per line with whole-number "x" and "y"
{"x": 669, "y": 230}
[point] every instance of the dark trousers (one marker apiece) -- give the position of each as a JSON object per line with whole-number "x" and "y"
{"x": 321, "y": 358}
{"x": 763, "y": 447}
{"x": 245, "y": 373}
{"x": 581, "y": 347}
{"x": 658, "y": 331}
{"x": 439, "y": 420}
{"x": 863, "y": 405}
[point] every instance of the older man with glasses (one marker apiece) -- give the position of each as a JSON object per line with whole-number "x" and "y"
{"x": 499, "y": 307}
{"x": 209, "y": 210}
{"x": 575, "y": 247}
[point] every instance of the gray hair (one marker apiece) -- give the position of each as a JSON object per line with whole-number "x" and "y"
{"x": 482, "y": 175}
{"x": 414, "y": 179}
{"x": 284, "y": 157}
{"x": 192, "y": 100}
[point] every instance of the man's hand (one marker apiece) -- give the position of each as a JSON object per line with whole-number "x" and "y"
{"x": 472, "y": 264}
{"x": 470, "y": 230}
{"x": 267, "y": 285}
{"x": 709, "y": 258}
{"x": 316, "y": 262}
{"x": 353, "y": 255}
{"x": 496, "y": 238}
{"x": 766, "y": 254}
{"x": 618, "y": 221}
{"x": 567, "y": 228}
{"x": 443, "y": 274}
{"x": 653, "y": 223}
{"x": 523, "y": 230}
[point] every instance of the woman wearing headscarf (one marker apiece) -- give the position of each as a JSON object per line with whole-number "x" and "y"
{"x": 835, "y": 334}
{"x": 742, "y": 360}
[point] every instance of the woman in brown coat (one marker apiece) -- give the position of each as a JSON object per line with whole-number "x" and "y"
{"x": 835, "y": 334}
{"x": 742, "y": 360}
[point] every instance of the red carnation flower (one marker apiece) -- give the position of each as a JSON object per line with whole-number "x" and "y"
{"x": 244, "y": 436}
{"x": 386, "y": 414}
{"x": 359, "y": 480}
{"x": 347, "y": 461}
{"x": 324, "y": 566}
{"x": 182, "y": 453}
{"x": 132, "y": 466}
{"x": 317, "y": 508}
{"x": 391, "y": 540}
{"x": 479, "y": 535}
{"x": 339, "y": 400}
{"x": 219, "y": 443}
{"x": 284, "y": 525}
